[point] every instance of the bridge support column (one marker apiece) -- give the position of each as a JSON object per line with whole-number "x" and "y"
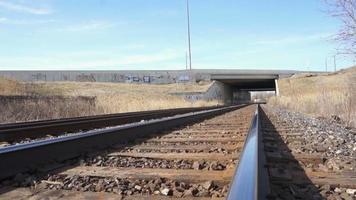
{"x": 228, "y": 94}
{"x": 276, "y": 86}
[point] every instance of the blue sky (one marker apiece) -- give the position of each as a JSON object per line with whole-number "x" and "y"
{"x": 151, "y": 34}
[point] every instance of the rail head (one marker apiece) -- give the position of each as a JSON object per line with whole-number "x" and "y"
{"x": 250, "y": 181}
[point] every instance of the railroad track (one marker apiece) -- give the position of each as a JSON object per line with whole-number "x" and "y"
{"x": 28, "y": 131}
{"x": 232, "y": 152}
{"x": 300, "y": 175}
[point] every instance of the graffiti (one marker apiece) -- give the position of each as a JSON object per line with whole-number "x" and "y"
{"x": 146, "y": 79}
{"x": 85, "y": 78}
{"x": 183, "y": 78}
{"x": 65, "y": 77}
{"x": 39, "y": 77}
{"x": 149, "y": 77}
{"x": 117, "y": 78}
{"x": 136, "y": 79}
{"x": 128, "y": 79}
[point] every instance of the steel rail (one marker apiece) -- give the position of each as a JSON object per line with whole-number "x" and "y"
{"x": 250, "y": 181}
{"x": 72, "y": 119}
{"x": 18, "y": 131}
{"x": 31, "y": 156}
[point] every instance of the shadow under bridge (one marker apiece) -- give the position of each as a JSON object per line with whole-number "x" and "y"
{"x": 246, "y": 88}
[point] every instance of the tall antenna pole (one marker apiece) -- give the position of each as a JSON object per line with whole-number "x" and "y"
{"x": 326, "y": 64}
{"x": 335, "y": 63}
{"x": 186, "y": 60}
{"x": 189, "y": 45}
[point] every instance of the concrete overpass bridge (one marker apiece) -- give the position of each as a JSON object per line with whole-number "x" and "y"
{"x": 238, "y": 87}
{"x": 233, "y": 85}
{"x": 251, "y": 82}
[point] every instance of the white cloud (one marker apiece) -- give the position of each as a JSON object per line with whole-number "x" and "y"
{"x": 294, "y": 39}
{"x": 88, "y": 26}
{"x": 17, "y": 7}
{"x": 24, "y": 21}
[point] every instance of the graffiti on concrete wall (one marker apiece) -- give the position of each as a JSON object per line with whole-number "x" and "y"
{"x": 135, "y": 79}
{"x": 183, "y": 78}
{"x": 39, "y": 77}
{"x": 117, "y": 78}
{"x": 85, "y": 78}
{"x": 149, "y": 77}
{"x": 146, "y": 79}
{"x": 65, "y": 77}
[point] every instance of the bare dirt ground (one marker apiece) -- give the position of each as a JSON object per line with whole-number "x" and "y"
{"x": 109, "y": 98}
{"x": 331, "y": 95}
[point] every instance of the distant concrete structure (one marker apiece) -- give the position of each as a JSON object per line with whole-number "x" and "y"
{"x": 243, "y": 84}
{"x": 277, "y": 87}
{"x": 140, "y": 76}
{"x": 231, "y": 86}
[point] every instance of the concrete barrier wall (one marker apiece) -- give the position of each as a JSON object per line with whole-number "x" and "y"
{"x": 143, "y": 76}
{"x": 157, "y": 77}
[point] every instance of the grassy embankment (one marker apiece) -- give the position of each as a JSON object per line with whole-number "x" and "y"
{"x": 109, "y": 98}
{"x": 331, "y": 95}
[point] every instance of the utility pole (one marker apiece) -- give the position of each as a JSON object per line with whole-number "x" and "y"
{"x": 189, "y": 44}
{"x": 334, "y": 63}
{"x": 326, "y": 64}
{"x": 186, "y": 61}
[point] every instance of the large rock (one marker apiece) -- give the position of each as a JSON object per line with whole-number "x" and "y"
{"x": 167, "y": 192}
{"x": 196, "y": 165}
{"x": 207, "y": 185}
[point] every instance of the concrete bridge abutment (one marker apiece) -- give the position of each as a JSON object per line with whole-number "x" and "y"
{"x": 220, "y": 91}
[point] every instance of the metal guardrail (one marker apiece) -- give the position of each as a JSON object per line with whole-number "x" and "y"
{"x": 250, "y": 181}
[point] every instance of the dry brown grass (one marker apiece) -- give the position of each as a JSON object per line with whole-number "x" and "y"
{"x": 324, "y": 95}
{"x": 25, "y": 108}
{"x": 128, "y": 97}
{"x": 10, "y": 87}
{"x": 110, "y": 98}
